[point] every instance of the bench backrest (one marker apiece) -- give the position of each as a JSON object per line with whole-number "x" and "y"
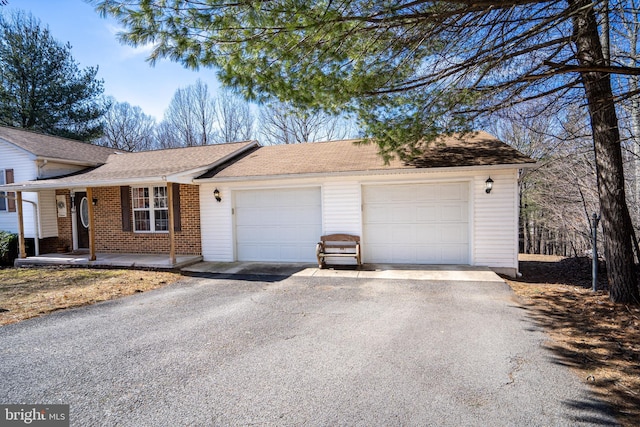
{"x": 341, "y": 238}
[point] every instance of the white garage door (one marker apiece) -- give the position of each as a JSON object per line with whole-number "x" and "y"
{"x": 416, "y": 224}
{"x": 277, "y": 225}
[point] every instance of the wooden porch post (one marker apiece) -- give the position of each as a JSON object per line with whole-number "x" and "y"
{"x": 172, "y": 234}
{"x": 22, "y": 250}
{"x": 92, "y": 230}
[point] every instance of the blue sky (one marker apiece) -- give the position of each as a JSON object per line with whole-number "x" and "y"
{"x": 126, "y": 73}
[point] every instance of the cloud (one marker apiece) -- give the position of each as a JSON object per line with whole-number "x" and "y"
{"x": 126, "y": 51}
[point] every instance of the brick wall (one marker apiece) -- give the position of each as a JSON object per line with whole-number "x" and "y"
{"x": 111, "y": 239}
{"x": 65, "y": 234}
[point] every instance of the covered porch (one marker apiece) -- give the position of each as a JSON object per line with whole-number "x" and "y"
{"x": 110, "y": 260}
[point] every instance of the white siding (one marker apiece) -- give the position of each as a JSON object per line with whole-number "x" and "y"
{"x": 53, "y": 169}
{"x": 24, "y": 169}
{"x": 216, "y": 224}
{"x": 496, "y": 220}
{"x": 48, "y": 214}
{"x": 341, "y": 208}
{"x": 493, "y": 218}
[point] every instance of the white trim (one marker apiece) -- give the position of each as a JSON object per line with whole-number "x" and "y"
{"x": 151, "y": 209}
{"x": 450, "y": 169}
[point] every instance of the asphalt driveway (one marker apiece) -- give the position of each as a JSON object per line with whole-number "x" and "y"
{"x": 297, "y": 351}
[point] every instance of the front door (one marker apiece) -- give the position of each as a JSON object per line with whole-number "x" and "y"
{"x": 82, "y": 220}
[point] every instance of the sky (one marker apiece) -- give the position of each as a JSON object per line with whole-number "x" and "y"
{"x": 126, "y": 74}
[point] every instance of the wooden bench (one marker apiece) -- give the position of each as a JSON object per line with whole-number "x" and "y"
{"x": 338, "y": 245}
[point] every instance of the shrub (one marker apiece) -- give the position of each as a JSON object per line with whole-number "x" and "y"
{"x": 8, "y": 247}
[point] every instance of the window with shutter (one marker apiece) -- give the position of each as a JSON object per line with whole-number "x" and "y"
{"x": 150, "y": 209}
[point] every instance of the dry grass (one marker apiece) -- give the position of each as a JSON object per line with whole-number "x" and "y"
{"x": 26, "y": 293}
{"x": 599, "y": 339}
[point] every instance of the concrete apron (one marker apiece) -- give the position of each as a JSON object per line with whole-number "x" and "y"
{"x": 367, "y": 271}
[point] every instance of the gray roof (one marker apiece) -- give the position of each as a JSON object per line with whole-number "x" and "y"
{"x": 56, "y": 148}
{"x": 476, "y": 149}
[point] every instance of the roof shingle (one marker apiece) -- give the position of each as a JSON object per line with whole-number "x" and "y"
{"x": 477, "y": 149}
{"x": 53, "y": 147}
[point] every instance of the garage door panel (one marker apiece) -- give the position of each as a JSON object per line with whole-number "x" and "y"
{"x": 402, "y": 214}
{"x": 403, "y": 234}
{"x": 453, "y": 234}
{"x": 454, "y": 213}
{"x": 425, "y": 213}
{"x": 277, "y": 225}
{"x": 428, "y": 234}
{"x": 403, "y": 254}
{"x": 416, "y": 223}
{"x": 427, "y": 193}
{"x": 378, "y": 214}
{"x": 453, "y": 254}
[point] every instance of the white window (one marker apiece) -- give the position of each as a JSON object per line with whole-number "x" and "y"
{"x": 3, "y": 201}
{"x": 150, "y": 209}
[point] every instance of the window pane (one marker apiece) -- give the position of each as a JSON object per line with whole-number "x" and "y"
{"x": 141, "y": 221}
{"x": 162, "y": 220}
{"x": 140, "y": 198}
{"x": 2, "y": 177}
{"x": 3, "y": 201}
{"x": 160, "y": 197}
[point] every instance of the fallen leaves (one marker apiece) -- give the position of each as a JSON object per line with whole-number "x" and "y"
{"x": 26, "y": 293}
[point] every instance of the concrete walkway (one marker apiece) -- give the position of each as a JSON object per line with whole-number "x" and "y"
{"x": 463, "y": 273}
{"x": 152, "y": 261}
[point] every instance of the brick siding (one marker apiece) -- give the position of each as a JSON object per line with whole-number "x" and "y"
{"x": 111, "y": 238}
{"x": 108, "y": 222}
{"x": 65, "y": 234}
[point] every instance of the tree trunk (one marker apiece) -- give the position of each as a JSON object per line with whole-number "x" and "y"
{"x": 616, "y": 222}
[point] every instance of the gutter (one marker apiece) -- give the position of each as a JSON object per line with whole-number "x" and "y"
{"x": 365, "y": 173}
{"x": 184, "y": 177}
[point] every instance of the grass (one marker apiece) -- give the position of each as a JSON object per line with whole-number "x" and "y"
{"x": 26, "y": 293}
{"x": 600, "y": 340}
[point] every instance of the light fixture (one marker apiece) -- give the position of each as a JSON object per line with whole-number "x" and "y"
{"x": 489, "y": 185}
{"x": 95, "y": 201}
{"x": 216, "y": 194}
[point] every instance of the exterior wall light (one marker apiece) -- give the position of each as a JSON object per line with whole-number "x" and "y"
{"x": 95, "y": 201}
{"x": 489, "y": 185}
{"x": 216, "y": 194}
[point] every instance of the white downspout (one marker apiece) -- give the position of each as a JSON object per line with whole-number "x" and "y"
{"x": 36, "y": 239}
{"x": 35, "y": 218}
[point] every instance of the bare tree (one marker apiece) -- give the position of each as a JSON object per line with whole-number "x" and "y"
{"x": 234, "y": 118}
{"x": 126, "y": 127}
{"x": 281, "y": 123}
{"x": 557, "y": 198}
{"x": 189, "y": 119}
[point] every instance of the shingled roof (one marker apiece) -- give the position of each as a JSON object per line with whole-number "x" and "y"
{"x": 477, "y": 149}
{"x": 173, "y": 165}
{"x": 56, "y": 148}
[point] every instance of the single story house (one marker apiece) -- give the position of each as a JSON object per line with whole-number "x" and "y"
{"x": 26, "y": 156}
{"x": 456, "y": 204}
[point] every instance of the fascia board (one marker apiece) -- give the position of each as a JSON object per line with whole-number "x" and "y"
{"x": 367, "y": 173}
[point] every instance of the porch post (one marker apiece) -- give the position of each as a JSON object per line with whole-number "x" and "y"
{"x": 172, "y": 234}
{"x": 22, "y": 250}
{"x": 92, "y": 230}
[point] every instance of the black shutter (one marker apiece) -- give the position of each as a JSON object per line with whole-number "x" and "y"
{"x": 177, "y": 219}
{"x": 125, "y": 206}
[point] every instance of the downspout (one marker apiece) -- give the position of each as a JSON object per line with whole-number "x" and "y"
{"x": 35, "y": 220}
{"x": 36, "y": 238}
